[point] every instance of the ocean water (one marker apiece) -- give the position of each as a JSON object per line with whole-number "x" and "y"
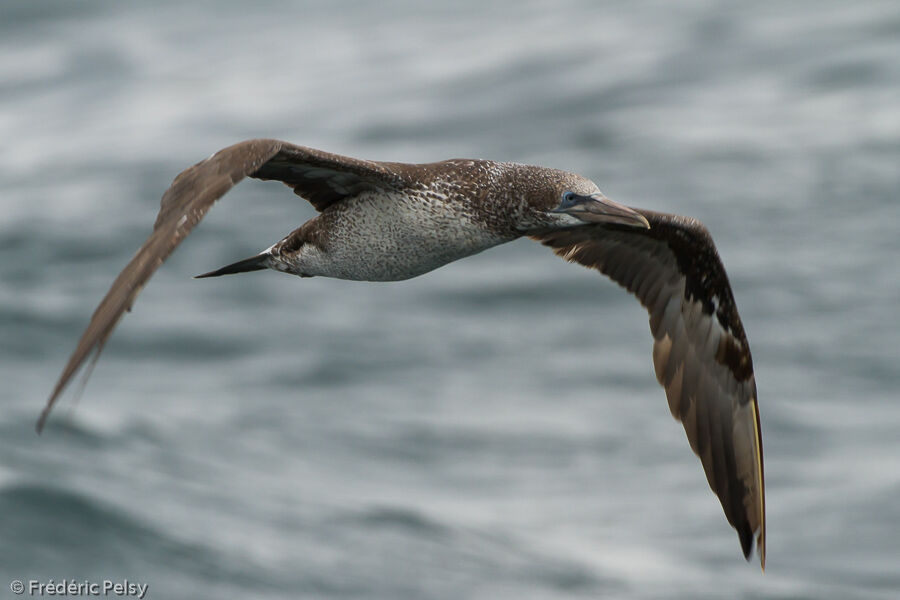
{"x": 492, "y": 429}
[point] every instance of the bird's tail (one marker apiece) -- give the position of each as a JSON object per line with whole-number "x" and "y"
{"x": 254, "y": 263}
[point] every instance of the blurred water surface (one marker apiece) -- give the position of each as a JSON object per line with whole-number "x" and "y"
{"x": 464, "y": 434}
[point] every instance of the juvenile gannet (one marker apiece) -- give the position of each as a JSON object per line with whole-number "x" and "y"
{"x": 382, "y": 221}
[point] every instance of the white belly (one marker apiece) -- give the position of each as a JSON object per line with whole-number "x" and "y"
{"x": 379, "y": 237}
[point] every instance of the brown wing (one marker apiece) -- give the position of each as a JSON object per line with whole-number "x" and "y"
{"x": 321, "y": 177}
{"x": 700, "y": 351}
{"x": 324, "y": 178}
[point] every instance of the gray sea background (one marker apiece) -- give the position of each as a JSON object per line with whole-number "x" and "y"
{"x": 492, "y": 429}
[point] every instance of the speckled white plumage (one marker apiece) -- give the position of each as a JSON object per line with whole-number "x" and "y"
{"x": 378, "y": 236}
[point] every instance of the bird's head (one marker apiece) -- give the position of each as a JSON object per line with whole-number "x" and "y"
{"x": 565, "y": 200}
{"x": 597, "y": 208}
{"x": 578, "y": 200}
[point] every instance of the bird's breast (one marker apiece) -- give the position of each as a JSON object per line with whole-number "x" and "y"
{"x": 390, "y": 237}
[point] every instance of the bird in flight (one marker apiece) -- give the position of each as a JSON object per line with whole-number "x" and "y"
{"x": 384, "y": 221}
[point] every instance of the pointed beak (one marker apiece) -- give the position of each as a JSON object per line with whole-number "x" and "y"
{"x": 597, "y": 208}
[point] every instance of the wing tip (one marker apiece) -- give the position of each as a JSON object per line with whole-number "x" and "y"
{"x": 45, "y": 414}
{"x": 42, "y": 420}
{"x": 48, "y": 407}
{"x": 749, "y": 539}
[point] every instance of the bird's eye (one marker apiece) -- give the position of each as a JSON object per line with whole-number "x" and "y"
{"x": 568, "y": 196}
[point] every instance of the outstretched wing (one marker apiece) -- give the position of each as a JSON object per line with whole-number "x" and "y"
{"x": 700, "y": 351}
{"x": 321, "y": 177}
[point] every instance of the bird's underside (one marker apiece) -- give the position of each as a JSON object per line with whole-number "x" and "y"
{"x": 700, "y": 351}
